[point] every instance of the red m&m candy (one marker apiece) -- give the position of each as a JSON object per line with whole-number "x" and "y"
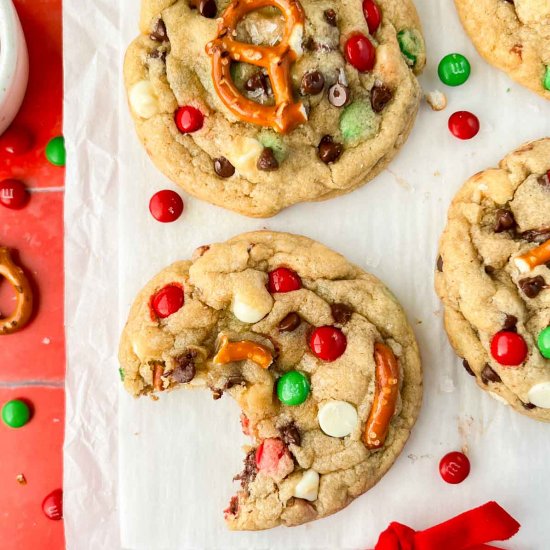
{"x": 508, "y": 348}
{"x": 166, "y": 206}
{"x": 371, "y": 11}
{"x": 328, "y": 343}
{"x": 168, "y": 300}
{"x": 360, "y": 52}
{"x": 16, "y": 141}
{"x": 454, "y": 467}
{"x": 463, "y": 125}
{"x": 189, "y": 119}
{"x": 283, "y": 279}
{"x": 52, "y": 505}
{"x": 13, "y": 194}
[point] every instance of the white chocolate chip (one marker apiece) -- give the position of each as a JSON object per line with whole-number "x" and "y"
{"x": 522, "y": 265}
{"x": 244, "y": 153}
{"x": 251, "y": 304}
{"x": 295, "y": 40}
{"x": 539, "y": 395}
{"x": 143, "y": 99}
{"x": 436, "y": 100}
{"x": 308, "y": 487}
{"x": 337, "y": 418}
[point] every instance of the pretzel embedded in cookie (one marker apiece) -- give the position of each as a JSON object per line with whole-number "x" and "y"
{"x": 385, "y": 397}
{"x": 18, "y": 280}
{"x": 534, "y": 257}
{"x": 244, "y": 349}
{"x": 286, "y": 114}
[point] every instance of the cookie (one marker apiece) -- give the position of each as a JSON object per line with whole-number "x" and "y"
{"x": 513, "y": 35}
{"x": 258, "y": 109}
{"x": 493, "y": 276}
{"x": 317, "y": 353}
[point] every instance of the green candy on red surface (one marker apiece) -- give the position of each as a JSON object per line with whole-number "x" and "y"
{"x": 55, "y": 151}
{"x": 410, "y": 44}
{"x": 454, "y": 69}
{"x": 546, "y": 78}
{"x": 293, "y": 388}
{"x": 543, "y": 342}
{"x": 15, "y": 413}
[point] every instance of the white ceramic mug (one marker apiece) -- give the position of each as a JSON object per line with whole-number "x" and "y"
{"x": 14, "y": 64}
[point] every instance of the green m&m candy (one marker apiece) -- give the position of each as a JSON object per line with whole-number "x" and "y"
{"x": 546, "y": 78}
{"x": 543, "y": 342}
{"x": 293, "y": 388}
{"x": 55, "y": 151}
{"x": 15, "y": 413}
{"x": 454, "y": 69}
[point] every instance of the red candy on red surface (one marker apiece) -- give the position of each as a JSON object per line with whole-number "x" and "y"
{"x": 454, "y": 467}
{"x": 13, "y": 194}
{"x": 283, "y": 279}
{"x": 360, "y": 52}
{"x": 371, "y": 11}
{"x": 328, "y": 343}
{"x": 463, "y": 125}
{"x": 52, "y": 505}
{"x": 166, "y": 206}
{"x": 16, "y": 141}
{"x": 189, "y": 119}
{"x": 168, "y": 300}
{"x": 508, "y": 348}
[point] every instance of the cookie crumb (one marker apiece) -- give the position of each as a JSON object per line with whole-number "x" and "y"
{"x": 21, "y": 479}
{"x": 436, "y": 100}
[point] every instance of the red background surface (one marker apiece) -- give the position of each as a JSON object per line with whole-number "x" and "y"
{"x": 32, "y": 361}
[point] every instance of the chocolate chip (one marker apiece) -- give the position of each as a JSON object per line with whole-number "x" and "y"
{"x": 158, "y": 54}
{"x": 267, "y": 161}
{"x": 185, "y": 370}
{"x": 536, "y": 235}
{"x": 223, "y": 167}
{"x": 249, "y": 471}
{"x": 330, "y": 17}
{"x": 489, "y": 375}
{"x": 504, "y": 220}
{"x": 489, "y": 269}
{"x": 329, "y": 151}
{"x": 531, "y": 286}
{"x": 439, "y": 263}
{"x": 208, "y": 8}
{"x": 338, "y": 95}
{"x": 290, "y": 322}
{"x": 233, "y": 507}
{"x": 544, "y": 180}
{"x": 467, "y": 367}
{"x": 380, "y": 96}
{"x": 258, "y": 81}
{"x": 291, "y": 435}
{"x": 341, "y": 313}
{"x": 529, "y": 406}
{"x": 510, "y": 323}
{"x": 313, "y": 83}
{"x": 159, "y": 34}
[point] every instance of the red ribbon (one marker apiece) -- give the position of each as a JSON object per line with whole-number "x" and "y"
{"x": 468, "y": 531}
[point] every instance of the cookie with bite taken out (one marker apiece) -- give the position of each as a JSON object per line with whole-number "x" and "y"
{"x": 317, "y": 353}
{"x": 493, "y": 276}
{"x": 255, "y": 106}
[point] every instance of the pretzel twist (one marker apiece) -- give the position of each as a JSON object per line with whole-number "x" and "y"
{"x": 286, "y": 114}
{"x": 534, "y": 257}
{"x": 385, "y": 397}
{"x": 18, "y": 280}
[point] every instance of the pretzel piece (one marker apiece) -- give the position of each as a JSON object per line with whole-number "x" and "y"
{"x": 18, "y": 280}
{"x": 239, "y": 351}
{"x": 286, "y": 114}
{"x": 534, "y": 257}
{"x": 385, "y": 397}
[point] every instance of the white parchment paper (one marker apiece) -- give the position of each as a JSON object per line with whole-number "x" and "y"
{"x": 156, "y": 475}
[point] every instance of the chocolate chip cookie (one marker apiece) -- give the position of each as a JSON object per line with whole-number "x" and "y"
{"x": 493, "y": 276}
{"x": 255, "y": 106}
{"x": 317, "y": 353}
{"x": 513, "y": 35}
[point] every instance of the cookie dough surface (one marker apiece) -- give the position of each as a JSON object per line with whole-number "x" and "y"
{"x": 513, "y": 35}
{"x": 167, "y": 67}
{"x": 497, "y": 216}
{"x": 313, "y": 474}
